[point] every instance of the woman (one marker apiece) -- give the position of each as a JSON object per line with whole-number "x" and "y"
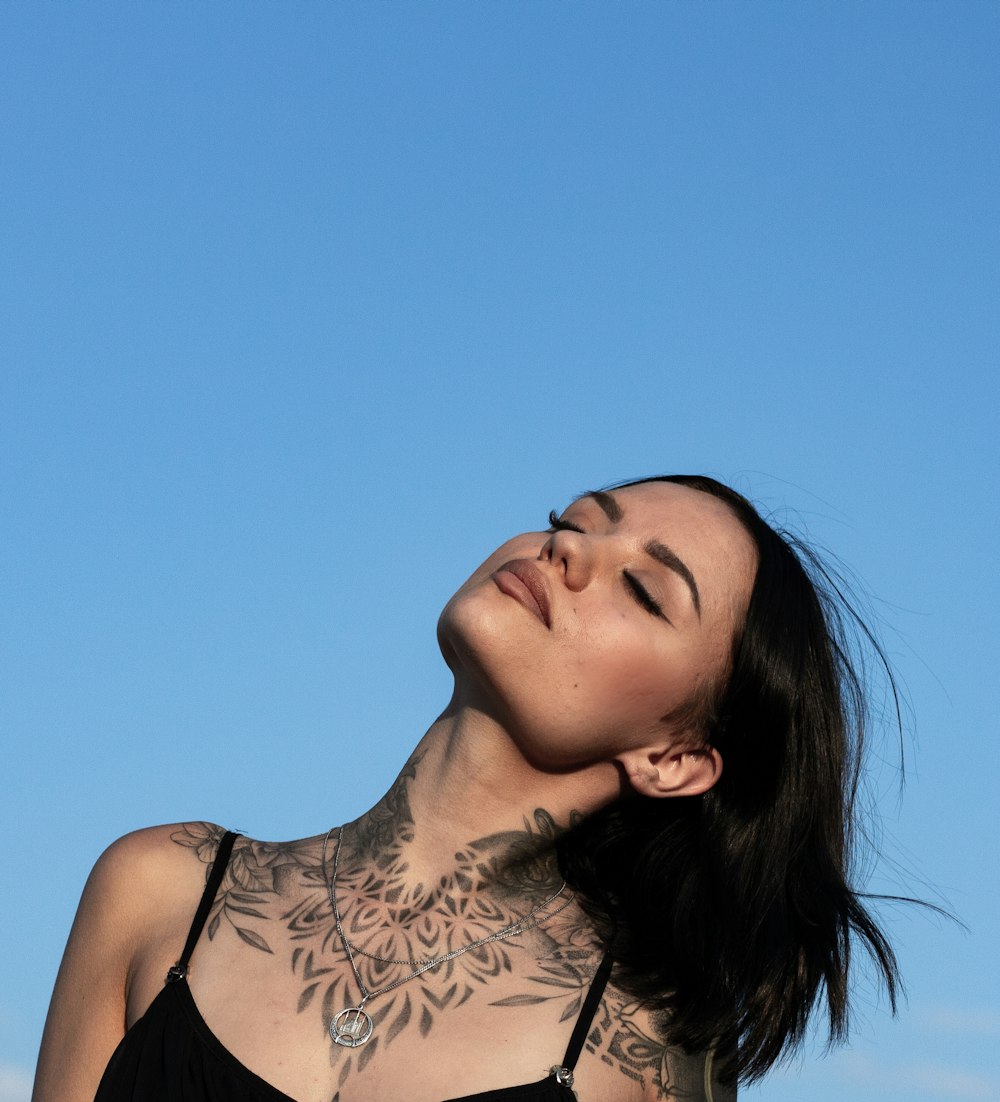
{"x": 645, "y": 772}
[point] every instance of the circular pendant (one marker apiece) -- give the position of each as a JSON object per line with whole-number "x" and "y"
{"x": 351, "y": 1027}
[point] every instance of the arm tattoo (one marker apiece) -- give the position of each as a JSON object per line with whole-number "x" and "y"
{"x": 626, "y": 1035}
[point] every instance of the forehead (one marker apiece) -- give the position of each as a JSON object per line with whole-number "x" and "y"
{"x": 702, "y": 530}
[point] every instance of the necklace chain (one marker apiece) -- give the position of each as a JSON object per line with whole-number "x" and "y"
{"x": 358, "y": 1029}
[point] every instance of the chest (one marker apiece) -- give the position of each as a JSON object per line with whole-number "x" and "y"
{"x": 495, "y": 1018}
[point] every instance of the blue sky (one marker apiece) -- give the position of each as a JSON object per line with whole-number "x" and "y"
{"x": 304, "y": 309}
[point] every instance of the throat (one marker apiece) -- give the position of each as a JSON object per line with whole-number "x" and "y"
{"x": 494, "y": 879}
{"x": 406, "y": 887}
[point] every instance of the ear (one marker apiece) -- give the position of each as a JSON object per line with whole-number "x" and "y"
{"x": 673, "y": 770}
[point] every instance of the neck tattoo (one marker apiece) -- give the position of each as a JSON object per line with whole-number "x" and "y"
{"x": 353, "y": 1025}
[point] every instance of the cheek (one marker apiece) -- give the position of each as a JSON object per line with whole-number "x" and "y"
{"x": 612, "y": 679}
{"x": 631, "y": 686}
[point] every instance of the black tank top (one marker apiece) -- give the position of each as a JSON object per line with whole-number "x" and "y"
{"x": 171, "y": 1055}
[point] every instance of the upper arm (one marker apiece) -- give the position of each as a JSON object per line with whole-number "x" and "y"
{"x": 128, "y": 901}
{"x": 695, "y": 1075}
{"x": 633, "y": 1037}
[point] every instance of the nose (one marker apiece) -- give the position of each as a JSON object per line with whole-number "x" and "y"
{"x": 572, "y": 554}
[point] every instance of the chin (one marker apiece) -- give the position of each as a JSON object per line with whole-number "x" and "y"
{"x": 469, "y": 638}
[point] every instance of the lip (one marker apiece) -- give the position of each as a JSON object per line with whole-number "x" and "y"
{"x": 523, "y": 581}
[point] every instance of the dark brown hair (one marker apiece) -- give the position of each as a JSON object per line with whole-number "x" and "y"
{"x": 733, "y": 911}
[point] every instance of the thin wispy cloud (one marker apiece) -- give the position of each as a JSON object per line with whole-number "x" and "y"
{"x": 15, "y": 1084}
{"x": 978, "y": 1021}
{"x": 940, "y": 1082}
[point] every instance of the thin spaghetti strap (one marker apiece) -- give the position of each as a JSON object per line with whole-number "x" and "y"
{"x": 583, "y": 1023}
{"x": 179, "y": 970}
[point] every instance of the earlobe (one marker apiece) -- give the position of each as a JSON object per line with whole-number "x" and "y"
{"x": 659, "y": 772}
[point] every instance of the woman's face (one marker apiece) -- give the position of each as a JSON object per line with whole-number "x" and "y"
{"x": 584, "y": 641}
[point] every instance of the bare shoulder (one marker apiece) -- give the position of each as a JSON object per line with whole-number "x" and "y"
{"x": 136, "y": 898}
{"x": 155, "y": 878}
{"x": 258, "y": 868}
{"x": 631, "y": 1037}
{"x": 145, "y": 879}
{"x": 156, "y": 850}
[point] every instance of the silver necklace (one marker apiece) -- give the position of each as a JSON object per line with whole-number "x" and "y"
{"x": 353, "y": 1025}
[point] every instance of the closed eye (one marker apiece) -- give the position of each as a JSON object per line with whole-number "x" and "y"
{"x": 556, "y": 524}
{"x": 642, "y": 596}
{"x": 639, "y": 593}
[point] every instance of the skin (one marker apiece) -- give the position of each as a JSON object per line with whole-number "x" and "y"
{"x": 553, "y": 716}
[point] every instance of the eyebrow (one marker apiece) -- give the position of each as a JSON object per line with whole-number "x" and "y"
{"x": 654, "y": 548}
{"x": 610, "y": 507}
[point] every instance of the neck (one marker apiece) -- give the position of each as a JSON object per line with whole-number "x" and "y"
{"x": 469, "y": 815}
